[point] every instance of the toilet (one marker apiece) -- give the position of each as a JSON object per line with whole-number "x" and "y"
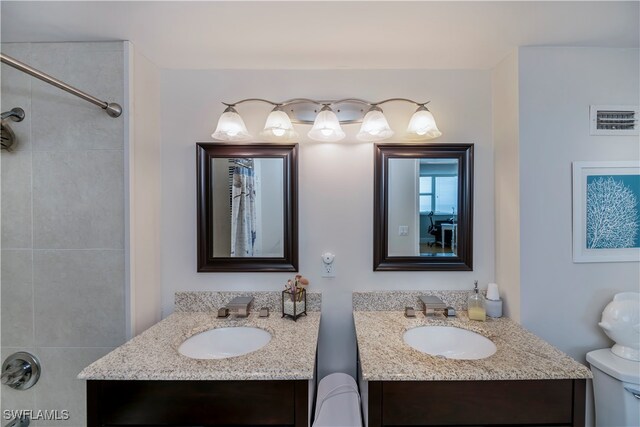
{"x": 616, "y": 389}
{"x": 616, "y": 370}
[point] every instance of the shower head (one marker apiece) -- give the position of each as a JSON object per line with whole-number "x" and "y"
{"x": 7, "y": 137}
{"x": 15, "y": 114}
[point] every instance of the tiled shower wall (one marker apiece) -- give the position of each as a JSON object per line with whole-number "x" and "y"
{"x": 63, "y": 219}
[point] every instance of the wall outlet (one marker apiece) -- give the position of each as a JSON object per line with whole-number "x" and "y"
{"x": 328, "y": 268}
{"x": 403, "y": 230}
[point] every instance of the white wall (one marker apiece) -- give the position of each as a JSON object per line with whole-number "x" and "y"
{"x": 144, "y": 192}
{"x": 507, "y": 182}
{"x": 270, "y": 201}
{"x": 335, "y": 183}
{"x": 403, "y": 207}
{"x": 562, "y": 301}
{"x": 221, "y": 209}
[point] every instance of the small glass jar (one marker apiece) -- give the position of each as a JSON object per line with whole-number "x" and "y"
{"x": 294, "y": 305}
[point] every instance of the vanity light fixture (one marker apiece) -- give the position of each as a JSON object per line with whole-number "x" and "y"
{"x": 327, "y": 118}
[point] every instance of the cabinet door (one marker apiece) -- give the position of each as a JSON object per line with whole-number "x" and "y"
{"x": 477, "y": 402}
{"x": 196, "y": 403}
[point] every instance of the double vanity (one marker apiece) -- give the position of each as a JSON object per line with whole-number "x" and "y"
{"x": 194, "y": 368}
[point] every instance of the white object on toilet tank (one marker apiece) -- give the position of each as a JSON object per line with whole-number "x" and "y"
{"x": 621, "y": 323}
{"x": 616, "y": 389}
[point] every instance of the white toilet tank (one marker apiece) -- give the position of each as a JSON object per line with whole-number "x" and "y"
{"x": 616, "y": 389}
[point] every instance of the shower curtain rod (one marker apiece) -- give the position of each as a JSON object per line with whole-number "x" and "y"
{"x": 112, "y": 109}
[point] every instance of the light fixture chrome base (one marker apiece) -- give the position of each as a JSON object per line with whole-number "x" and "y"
{"x": 305, "y": 113}
{"x": 304, "y": 110}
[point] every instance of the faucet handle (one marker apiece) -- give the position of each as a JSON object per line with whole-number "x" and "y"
{"x": 223, "y": 313}
{"x": 409, "y": 312}
{"x": 20, "y": 370}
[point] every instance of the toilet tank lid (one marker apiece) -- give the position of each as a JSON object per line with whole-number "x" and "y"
{"x": 624, "y": 370}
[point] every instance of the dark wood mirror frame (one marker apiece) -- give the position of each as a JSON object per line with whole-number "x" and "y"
{"x": 463, "y": 261}
{"x": 206, "y": 261}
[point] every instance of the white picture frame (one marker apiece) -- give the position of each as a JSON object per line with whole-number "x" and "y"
{"x": 613, "y": 185}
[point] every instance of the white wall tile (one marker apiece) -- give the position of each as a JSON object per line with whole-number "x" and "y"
{"x": 78, "y": 199}
{"x": 79, "y": 298}
{"x": 16, "y": 191}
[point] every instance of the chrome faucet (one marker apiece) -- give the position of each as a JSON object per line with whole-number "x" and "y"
{"x": 433, "y": 303}
{"x": 240, "y": 306}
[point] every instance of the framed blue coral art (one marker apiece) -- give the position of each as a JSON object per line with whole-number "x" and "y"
{"x": 606, "y": 211}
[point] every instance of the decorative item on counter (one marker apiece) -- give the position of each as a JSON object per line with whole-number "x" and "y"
{"x": 476, "y": 305}
{"x": 294, "y": 297}
{"x": 494, "y": 303}
{"x": 621, "y": 322}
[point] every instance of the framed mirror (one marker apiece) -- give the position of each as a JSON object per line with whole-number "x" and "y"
{"x": 247, "y": 207}
{"x": 423, "y": 207}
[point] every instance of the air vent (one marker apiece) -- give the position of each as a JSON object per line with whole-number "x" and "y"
{"x": 614, "y": 119}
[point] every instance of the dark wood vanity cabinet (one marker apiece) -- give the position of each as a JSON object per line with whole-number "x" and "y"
{"x": 476, "y": 403}
{"x": 197, "y": 403}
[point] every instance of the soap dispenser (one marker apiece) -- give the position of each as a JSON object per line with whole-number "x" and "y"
{"x": 476, "y": 305}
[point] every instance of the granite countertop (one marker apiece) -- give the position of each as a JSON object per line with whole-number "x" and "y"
{"x": 520, "y": 355}
{"x": 153, "y": 355}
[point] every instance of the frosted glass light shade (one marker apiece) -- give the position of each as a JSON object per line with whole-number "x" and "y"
{"x": 231, "y": 127}
{"x": 278, "y": 127}
{"x": 422, "y": 125}
{"x": 326, "y": 127}
{"x": 374, "y": 126}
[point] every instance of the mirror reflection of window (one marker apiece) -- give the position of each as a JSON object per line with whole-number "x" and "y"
{"x": 423, "y": 207}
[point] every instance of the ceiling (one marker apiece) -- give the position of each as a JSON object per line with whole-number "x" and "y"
{"x": 326, "y": 35}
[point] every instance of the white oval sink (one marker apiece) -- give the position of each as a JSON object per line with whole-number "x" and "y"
{"x": 221, "y": 343}
{"x": 449, "y": 342}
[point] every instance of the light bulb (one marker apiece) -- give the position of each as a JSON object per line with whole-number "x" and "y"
{"x": 422, "y": 125}
{"x": 374, "y": 126}
{"x": 231, "y": 127}
{"x": 278, "y": 126}
{"x": 326, "y": 127}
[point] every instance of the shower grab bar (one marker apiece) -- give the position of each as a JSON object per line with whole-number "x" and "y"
{"x": 112, "y": 109}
